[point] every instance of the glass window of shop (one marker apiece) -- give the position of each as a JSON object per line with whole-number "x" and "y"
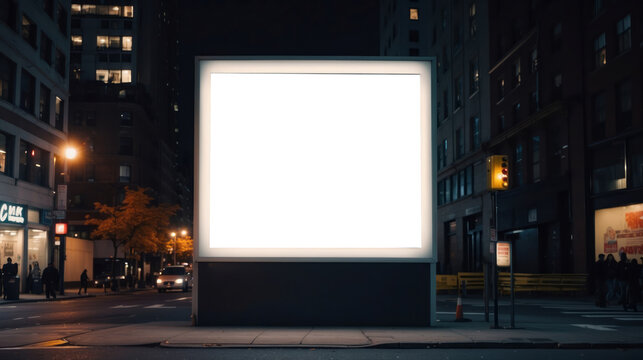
{"x": 6, "y": 151}
{"x": 34, "y": 164}
{"x": 11, "y": 240}
{"x": 37, "y": 249}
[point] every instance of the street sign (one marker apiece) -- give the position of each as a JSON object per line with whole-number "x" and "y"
{"x": 61, "y": 203}
{"x": 59, "y": 214}
{"x": 503, "y": 254}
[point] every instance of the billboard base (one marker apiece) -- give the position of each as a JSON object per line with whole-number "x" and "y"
{"x": 313, "y": 294}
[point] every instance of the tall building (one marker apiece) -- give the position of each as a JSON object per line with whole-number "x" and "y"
{"x": 34, "y": 93}
{"x": 612, "y": 65}
{"x": 122, "y": 108}
{"x": 555, "y": 89}
{"x": 456, "y": 33}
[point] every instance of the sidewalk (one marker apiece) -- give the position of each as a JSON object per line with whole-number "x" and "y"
{"x": 70, "y": 293}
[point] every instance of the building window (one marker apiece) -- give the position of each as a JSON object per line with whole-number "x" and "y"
{"x": 6, "y": 153}
{"x": 27, "y": 92}
{"x": 125, "y": 145}
{"x": 473, "y": 23}
{"x": 474, "y": 76}
{"x": 442, "y": 154}
{"x": 114, "y": 42}
{"x": 457, "y": 93}
{"x": 535, "y": 158}
{"x": 8, "y": 13}
{"x": 62, "y": 18}
{"x": 518, "y": 160}
{"x": 102, "y": 75}
{"x": 126, "y": 118}
{"x": 624, "y": 33}
{"x": 61, "y": 63}
{"x": 623, "y": 105}
{"x": 454, "y": 187}
{"x": 34, "y": 164}
{"x": 469, "y": 180}
{"x": 516, "y": 112}
{"x": 414, "y": 14}
{"x": 127, "y": 43}
{"x": 557, "y": 89}
{"x": 76, "y": 9}
{"x": 76, "y": 41}
{"x": 126, "y": 76}
{"x": 599, "y": 115}
{"x": 598, "y": 7}
{"x": 474, "y": 131}
{"x": 459, "y": 143}
{"x": 447, "y": 189}
{"x": 114, "y": 58}
{"x": 608, "y": 170}
{"x": 29, "y": 31}
{"x": 45, "y": 104}
{"x": 635, "y": 151}
{"x": 600, "y": 52}
{"x": 445, "y": 109}
{"x": 557, "y": 37}
{"x": 414, "y": 36}
{"x": 7, "y": 78}
{"x": 501, "y": 89}
{"x": 501, "y": 123}
{"x": 126, "y": 57}
{"x": 128, "y": 11}
{"x": 534, "y": 105}
{"x": 124, "y": 173}
{"x": 533, "y": 61}
{"x": 101, "y": 41}
{"x": 60, "y": 113}
{"x": 45, "y": 48}
{"x": 127, "y": 24}
{"x": 441, "y": 197}
{"x": 517, "y": 75}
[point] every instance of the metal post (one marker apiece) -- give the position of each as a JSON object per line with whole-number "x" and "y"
{"x": 485, "y": 296}
{"x": 495, "y": 265}
{"x": 511, "y": 270}
{"x": 63, "y": 255}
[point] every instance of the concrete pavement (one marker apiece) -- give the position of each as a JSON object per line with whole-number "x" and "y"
{"x": 71, "y": 293}
{"x": 540, "y": 331}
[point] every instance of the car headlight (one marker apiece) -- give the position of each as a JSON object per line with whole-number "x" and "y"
{"x": 179, "y": 281}
{"x": 158, "y": 281}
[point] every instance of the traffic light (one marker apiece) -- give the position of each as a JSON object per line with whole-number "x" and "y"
{"x": 497, "y": 172}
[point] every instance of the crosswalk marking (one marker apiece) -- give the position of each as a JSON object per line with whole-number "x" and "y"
{"x": 595, "y": 327}
{"x": 123, "y": 306}
{"x": 179, "y": 299}
{"x": 160, "y": 306}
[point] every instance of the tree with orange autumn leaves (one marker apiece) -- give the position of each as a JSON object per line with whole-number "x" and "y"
{"x": 135, "y": 225}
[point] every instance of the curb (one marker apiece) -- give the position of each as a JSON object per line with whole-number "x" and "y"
{"x": 73, "y": 297}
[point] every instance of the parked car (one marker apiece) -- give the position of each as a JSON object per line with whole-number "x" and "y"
{"x": 104, "y": 279}
{"x": 174, "y": 278}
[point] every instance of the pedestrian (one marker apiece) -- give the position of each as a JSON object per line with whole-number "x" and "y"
{"x": 633, "y": 290}
{"x": 30, "y": 279}
{"x": 9, "y": 270}
{"x": 622, "y": 276}
{"x": 610, "y": 265}
{"x": 600, "y": 279}
{"x": 84, "y": 279}
{"x": 50, "y": 278}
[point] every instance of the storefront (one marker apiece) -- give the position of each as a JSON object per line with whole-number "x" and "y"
{"x": 24, "y": 239}
{"x": 619, "y": 229}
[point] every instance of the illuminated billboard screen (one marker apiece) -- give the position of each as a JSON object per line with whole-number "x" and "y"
{"x": 326, "y": 160}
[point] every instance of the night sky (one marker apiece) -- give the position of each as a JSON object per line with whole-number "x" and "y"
{"x": 263, "y": 27}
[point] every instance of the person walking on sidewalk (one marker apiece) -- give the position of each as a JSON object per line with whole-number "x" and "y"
{"x": 600, "y": 281}
{"x": 83, "y": 281}
{"x": 622, "y": 274}
{"x": 9, "y": 270}
{"x": 50, "y": 278}
{"x": 633, "y": 290}
{"x": 612, "y": 291}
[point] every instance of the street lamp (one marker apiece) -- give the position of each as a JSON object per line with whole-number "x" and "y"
{"x": 173, "y": 235}
{"x": 61, "y": 205}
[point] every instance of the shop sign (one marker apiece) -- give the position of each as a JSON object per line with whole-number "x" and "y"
{"x": 12, "y": 213}
{"x": 503, "y": 254}
{"x": 619, "y": 230}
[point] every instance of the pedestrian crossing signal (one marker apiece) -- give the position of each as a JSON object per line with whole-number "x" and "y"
{"x": 498, "y": 172}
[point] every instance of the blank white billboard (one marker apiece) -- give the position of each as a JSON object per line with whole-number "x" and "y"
{"x": 324, "y": 160}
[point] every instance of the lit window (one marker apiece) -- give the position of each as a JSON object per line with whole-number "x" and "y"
{"x": 413, "y": 14}
{"x": 124, "y": 173}
{"x": 89, "y": 9}
{"x": 128, "y": 11}
{"x": 101, "y": 41}
{"x": 127, "y": 76}
{"x": 76, "y": 40}
{"x": 127, "y": 43}
{"x": 75, "y": 9}
{"x": 102, "y": 75}
{"x": 115, "y": 76}
{"x": 600, "y": 52}
{"x": 114, "y": 10}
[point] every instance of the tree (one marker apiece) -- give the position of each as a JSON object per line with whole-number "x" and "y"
{"x": 183, "y": 246}
{"x": 135, "y": 224}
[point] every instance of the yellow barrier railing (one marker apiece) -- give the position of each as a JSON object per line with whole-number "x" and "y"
{"x": 522, "y": 282}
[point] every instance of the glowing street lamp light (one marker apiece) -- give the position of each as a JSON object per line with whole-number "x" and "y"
{"x": 71, "y": 152}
